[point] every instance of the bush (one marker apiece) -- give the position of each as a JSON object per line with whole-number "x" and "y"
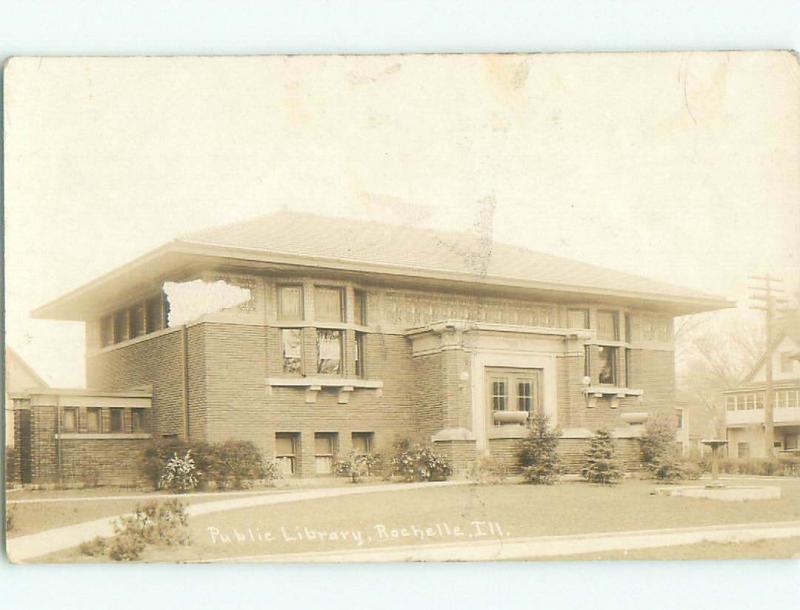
{"x": 783, "y": 465}
{"x": 235, "y": 464}
{"x": 357, "y": 465}
{"x": 669, "y": 468}
{"x": 418, "y": 462}
{"x": 179, "y": 474}
{"x": 96, "y": 547}
{"x": 488, "y": 470}
{"x": 229, "y": 465}
{"x": 12, "y": 475}
{"x": 601, "y": 464}
{"x": 657, "y": 440}
{"x": 538, "y": 452}
{"x": 159, "y": 453}
{"x": 163, "y": 524}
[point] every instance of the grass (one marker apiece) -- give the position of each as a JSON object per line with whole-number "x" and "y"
{"x": 518, "y": 510}
{"x": 77, "y": 506}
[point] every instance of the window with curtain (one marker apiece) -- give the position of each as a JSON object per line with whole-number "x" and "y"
{"x": 290, "y": 302}
{"x": 329, "y": 352}
{"x": 607, "y": 325}
{"x": 292, "y": 350}
{"x": 328, "y": 304}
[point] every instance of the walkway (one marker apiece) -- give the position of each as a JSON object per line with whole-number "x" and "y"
{"x": 543, "y": 547}
{"x": 26, "y": 548}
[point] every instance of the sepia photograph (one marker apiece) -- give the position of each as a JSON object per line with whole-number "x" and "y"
{"x": 402, "y": 307}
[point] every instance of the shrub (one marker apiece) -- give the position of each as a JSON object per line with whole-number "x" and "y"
{"x": 163, "y": 524}
{"x": 125, "y": 546}
{"x": 538, "y": 452}
{"x": 418, "y": 462}
{"x": 669, "y": 468}
{"x": 179, "y": 474}
{"x": 657, "y": 440}
{"x": 488, "y": 470}
{"x": 235, "y": 464}
{"x": 12, "y": 475}
{"x": 601, "y": 465}
{"x": 96, "y": 547}
{"x": 357, "y": 465}
{"x": 783, "y": 465}
{"x": 159, "y": 453}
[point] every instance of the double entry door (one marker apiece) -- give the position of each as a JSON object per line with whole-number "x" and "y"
{"x": 513, "y": 389}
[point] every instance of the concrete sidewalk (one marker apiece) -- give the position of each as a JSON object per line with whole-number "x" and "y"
{"x": 542, "y": 547}
{"x": 26, "y": 548}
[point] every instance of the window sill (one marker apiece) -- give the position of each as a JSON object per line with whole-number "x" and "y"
{"x": 313, "y": 385}
{"x": 86, "y": 436}
{"x": 593, "y": 393}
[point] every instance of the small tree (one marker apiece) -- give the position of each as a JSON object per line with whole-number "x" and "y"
{"x": 657, "y": 440}
{"x": 357, "y": 465}
{"x": 538, "y": 452}
{"x": 179, "y": 474}
{"x": 601, "y": 465}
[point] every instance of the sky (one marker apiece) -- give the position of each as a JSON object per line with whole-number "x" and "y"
{"x": 684, "y": 167}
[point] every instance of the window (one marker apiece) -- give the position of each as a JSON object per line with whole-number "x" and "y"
{"x": 577, "y": 318}
{"x": 524, "y": 395}
{"x": 106, "y": 331}
{"x": 362, "y": 442}
{"x": 153, "y": 315}
{"x": 116, "y": 420}
{"x": 69, "y": 419}
{"x": 627, "y": 368}
{"x": 587, "y": 361}
{"x": 743, "y": 450}
{"x": 121, "y": 326}
{"x": 499, "y": 394}
{"x": 324, "y": 444}
{"x": 786, "y": 362}
{"x": 290, "y": 302}
{"x": 628, "y": 327}
{"x": 607, "y": 374}
{"x": 286, "y": 453}
{"x": 292, "y": 349}
{"x": 360, "y": 355}
{"x": 328, "y": 304}
{"x": 137, "y": 321}
{"x": 730, "y": 403}
{"x": 137, "y": 420}
{"x": 93, "y": 419}
{"x": 759, "y": 400}
{"x": 360, "y": 307}
{"x": 607, "y": 326}
{"x": 329, "y": 352}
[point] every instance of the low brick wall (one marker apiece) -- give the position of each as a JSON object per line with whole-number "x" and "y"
{"x": 572, "y": 452}
{"x": 460, "y": 454}
{"x": 103, "y": 461}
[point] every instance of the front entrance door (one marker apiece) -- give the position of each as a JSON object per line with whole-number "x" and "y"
{"x": 513, "y": 389}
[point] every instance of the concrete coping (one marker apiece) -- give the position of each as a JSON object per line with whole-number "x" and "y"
{"x": 105, "y": 436}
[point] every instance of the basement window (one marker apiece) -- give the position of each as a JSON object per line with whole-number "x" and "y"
{"x": 286, "y": 452}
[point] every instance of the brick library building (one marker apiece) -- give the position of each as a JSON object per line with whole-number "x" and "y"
{"x": 313, "y": 336}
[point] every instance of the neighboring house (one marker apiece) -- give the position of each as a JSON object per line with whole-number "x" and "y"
{"x": 352, "y": 334}
{"x": 19, "y": 377}
{"x": 744, "y": 405}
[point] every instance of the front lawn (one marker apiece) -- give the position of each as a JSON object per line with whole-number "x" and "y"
{"x": 450, "y": 514}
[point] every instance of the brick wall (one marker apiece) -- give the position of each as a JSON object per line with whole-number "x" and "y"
{"x": 155, "y": 361}
{"x": 102, "y": 461}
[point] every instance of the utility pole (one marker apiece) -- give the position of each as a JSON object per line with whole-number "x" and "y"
{"x": 768, "y": 294}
